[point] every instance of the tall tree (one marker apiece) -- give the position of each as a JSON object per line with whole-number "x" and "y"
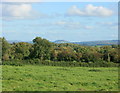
{"x": 41, "y": 49}
{"x": 20, "y": 50}
{"x": 5, "y": 49}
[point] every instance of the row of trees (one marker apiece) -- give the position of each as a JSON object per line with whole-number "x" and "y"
{"x": 44, "y": 50}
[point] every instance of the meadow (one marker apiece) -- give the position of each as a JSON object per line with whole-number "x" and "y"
{"x": 54, "y": 78}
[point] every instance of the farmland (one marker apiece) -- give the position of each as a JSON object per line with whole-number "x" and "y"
{"x": 54, "y": 78}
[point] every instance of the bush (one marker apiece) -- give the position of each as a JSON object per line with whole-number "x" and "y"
{"x": 13, "y": 63}
{"x": 60, "y": 63}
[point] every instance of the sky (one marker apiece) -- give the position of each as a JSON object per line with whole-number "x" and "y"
{"x": 71, "y": 21}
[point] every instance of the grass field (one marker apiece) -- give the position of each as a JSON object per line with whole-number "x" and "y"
{"x": 50, "y": 78}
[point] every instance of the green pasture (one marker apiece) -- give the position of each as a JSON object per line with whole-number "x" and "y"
{"x": 52, "y": 78}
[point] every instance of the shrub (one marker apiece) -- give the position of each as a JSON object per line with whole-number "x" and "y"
{"x": 60, "y": 63}
{"x": 13, "y": 63}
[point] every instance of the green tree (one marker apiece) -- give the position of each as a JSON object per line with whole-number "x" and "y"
{"x": 20, "y": 50}
{"x": 41, "y": 49}
{"x": 5, "y": 49}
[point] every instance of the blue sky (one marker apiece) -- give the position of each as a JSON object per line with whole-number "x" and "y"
{"x": 71, "y": 21}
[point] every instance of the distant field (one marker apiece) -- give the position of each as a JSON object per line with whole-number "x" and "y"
{"x": 50, "y": 78}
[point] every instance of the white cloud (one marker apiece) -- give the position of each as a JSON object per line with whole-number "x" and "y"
{"x": 114, "y": 36}
{"x": 106, "y": 23}
{"x": 22, "y": 10}
{"x": 19, "y": 11}
{"x": 60, "y": 23}
{"x": 89, "y": 10}
{"x": 61, "y": 0}
{"x": 88, "y": 27}
{"x": 114, "y": 27}
{"x": 29, "y": 1}
{"x": 72, "y": 25}
{"x": 109, "y": 25}
{"x": 66, "y": 23}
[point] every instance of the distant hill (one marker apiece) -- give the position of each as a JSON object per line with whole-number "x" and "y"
{"x": 86, "y": 43}
{"x": 17, "y": 41}
{"x": 98, "y": 43}
{"x": 91, "y": 43}
{"x": 61, "y": 41}
{"x": 14, "y": 41}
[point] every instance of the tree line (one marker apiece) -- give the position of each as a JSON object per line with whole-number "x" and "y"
{"x": 43, "y": 50}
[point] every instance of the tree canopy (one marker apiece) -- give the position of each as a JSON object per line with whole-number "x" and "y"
{"x": 45, "y": 50}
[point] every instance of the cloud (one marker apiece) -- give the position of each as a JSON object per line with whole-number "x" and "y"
{"x": 89, "y": 10}
{"x": 19, "y": 11}
{"x": 109, "y": 25}
{"x": 60, "y": 23}
{"x": 66, "y": 23}
{"x": 71, "y": 25}
{"x": 114, "y": 27}
{"x": 29, "y": 1}
{"x": 114, "y": 36}
{"x": 22, "y": 10}
{"x": 88, "y": 27}
{"x": 60, "y": 0}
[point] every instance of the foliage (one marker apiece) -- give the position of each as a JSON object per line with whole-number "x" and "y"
{"x": 59, "y": 63}
{"x": 5, "y": 49}
{"x": 42, "y": 50}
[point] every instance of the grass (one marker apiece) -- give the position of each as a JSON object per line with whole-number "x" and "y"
{"x": 50, "y": 78}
